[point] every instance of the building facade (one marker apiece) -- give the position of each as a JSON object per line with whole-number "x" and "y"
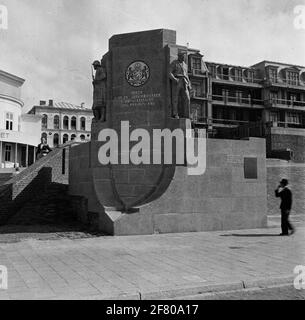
{"x": 19, "y": 132}
{"x": 268, "y": 94}
{"x": 62, "y": 122}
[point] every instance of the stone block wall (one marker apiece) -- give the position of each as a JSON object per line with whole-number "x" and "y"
{"x": 220, "y": 199}
{"x": 33, "y": 181}
{"x": 283, "y": 138}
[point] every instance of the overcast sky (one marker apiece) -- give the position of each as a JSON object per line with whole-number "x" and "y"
{"x": 52, "y": 43}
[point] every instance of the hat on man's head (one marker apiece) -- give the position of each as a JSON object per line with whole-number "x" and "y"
{"x": 96, "y": 63}
{"x": 284, "y": 182}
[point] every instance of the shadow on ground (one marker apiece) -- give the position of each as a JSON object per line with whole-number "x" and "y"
{"x": 250, "y": 235}
{"x": 17, "y": 233}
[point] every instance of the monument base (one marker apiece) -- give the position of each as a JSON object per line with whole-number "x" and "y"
{"x": 223, "y": 198}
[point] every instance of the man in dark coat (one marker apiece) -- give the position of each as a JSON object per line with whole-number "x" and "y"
{"x": 285, "y": 194}
{"x": 43, "y": 149}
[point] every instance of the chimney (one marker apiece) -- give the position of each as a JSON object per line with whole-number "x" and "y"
{"x": 42, "y": 103}
{"x": 50, "y": 103}
{"x": 82, "y": 104}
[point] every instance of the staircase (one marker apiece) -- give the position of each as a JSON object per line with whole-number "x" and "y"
{"x": 52, "y": 206}
{"x": 39, "y": 194}
{"x": 4, "y": 177}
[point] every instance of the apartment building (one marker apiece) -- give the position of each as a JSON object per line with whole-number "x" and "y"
{"x": 268, "y": 95}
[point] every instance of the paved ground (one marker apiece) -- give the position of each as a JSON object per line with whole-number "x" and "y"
{"x": 275, "y": 293}
{"x": 148, "y": 267}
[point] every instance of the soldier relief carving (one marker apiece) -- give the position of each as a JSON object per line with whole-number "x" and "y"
{"x": 180, "y": 87}
{"x": 99, "y": 90}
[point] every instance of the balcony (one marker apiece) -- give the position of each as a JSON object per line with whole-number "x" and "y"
{"x": 285, "y": 83}
{"x": 229, "y": 122}
{"x": 241, "y": 80}
{"x": 198, "y": 73}
{"x": 199, "y": 95}
{"x": 288, "y": 125}
{"x": 238, "y": 101}
{"x": 286, "y": 104}
{"x": 241, "y": 130}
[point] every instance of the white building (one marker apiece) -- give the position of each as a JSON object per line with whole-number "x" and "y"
{"x": 62, "y": 122}
{"x": 19, "y": 132}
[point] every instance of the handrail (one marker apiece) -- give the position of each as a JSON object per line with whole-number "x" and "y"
{"x": 238, "y": 100}
{"x": 236, "y": 78}
{"x": 286, "y": 101}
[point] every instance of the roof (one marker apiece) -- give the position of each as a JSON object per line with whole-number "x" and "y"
{"x": 228, "y": 65}
{"x": 67, "y": 105}
{"x": 64, "y": 106}
{"x": 10, "y": 76}
{"x": 281, "y": 63}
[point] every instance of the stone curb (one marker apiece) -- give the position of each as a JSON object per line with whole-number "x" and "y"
{"x": 185, "y": 291}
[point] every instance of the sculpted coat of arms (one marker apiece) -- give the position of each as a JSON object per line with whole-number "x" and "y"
{"x": 137, "y": 73}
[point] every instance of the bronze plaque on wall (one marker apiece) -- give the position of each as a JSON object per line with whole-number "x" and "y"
{"x": 250, "y": 168}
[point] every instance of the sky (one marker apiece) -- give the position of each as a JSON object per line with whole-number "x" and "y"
{"x": 52, "y": 43}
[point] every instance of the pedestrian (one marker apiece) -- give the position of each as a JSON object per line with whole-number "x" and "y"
{"x": 285, "y": 194}
{"x": 43, "y": 149}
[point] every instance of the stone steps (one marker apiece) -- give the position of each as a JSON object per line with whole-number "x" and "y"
{"x": 51, "y": 206}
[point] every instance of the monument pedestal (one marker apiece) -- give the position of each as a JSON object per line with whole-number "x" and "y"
{"x": 146, "y": 198}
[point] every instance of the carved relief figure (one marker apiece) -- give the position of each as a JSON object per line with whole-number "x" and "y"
{"x": 181, "y": 87}
{"x": 99, "y": 91}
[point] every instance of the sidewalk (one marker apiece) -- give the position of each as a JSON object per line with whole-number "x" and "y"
{"x": 150, "y": 267}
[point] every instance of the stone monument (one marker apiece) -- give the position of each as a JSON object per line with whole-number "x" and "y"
{"x": 144, "y": 87}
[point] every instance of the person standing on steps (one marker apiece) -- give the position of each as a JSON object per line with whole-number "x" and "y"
{"x": 285, "y": 194}
{"x": 43, "y": 149}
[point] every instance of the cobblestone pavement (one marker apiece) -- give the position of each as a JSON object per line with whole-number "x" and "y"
{"x": 140, "y": 266}
{"x": 274, "y": 293}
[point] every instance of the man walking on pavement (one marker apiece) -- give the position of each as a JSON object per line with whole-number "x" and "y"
{"x": 285, "y": 194}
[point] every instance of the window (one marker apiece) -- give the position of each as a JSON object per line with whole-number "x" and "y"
{"x": 238, "y": 75}
{"x": 273, "y": 96}
{"x": 212, "y": 69}
{"x": 293, "y": 117}
{"x": 56, "y": 140}
{"x": 8, "y": 152}
{"x": 56, "y": 122}
{"x": 73, "y": 123}
{"x": 292, "y": 78}
{"x": 198, "y": 91}
{"x": 196, "y": 63}
{"x": 82, "y": 137}
{"x": 66, "y": 123}
{"x": 73, "y": 137}
{"x": 250, "y": 77}
{"x": 83, "y": 123}
{"x": 65, "y": 138}
{"x": 239, "y": 96}
{"x": 9, "y": 121}
{"x": 274, "y": 116}
{"x": 273, "y": 75}
{"x": 225, "y": 73}
{"x": 44, "y": 122}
